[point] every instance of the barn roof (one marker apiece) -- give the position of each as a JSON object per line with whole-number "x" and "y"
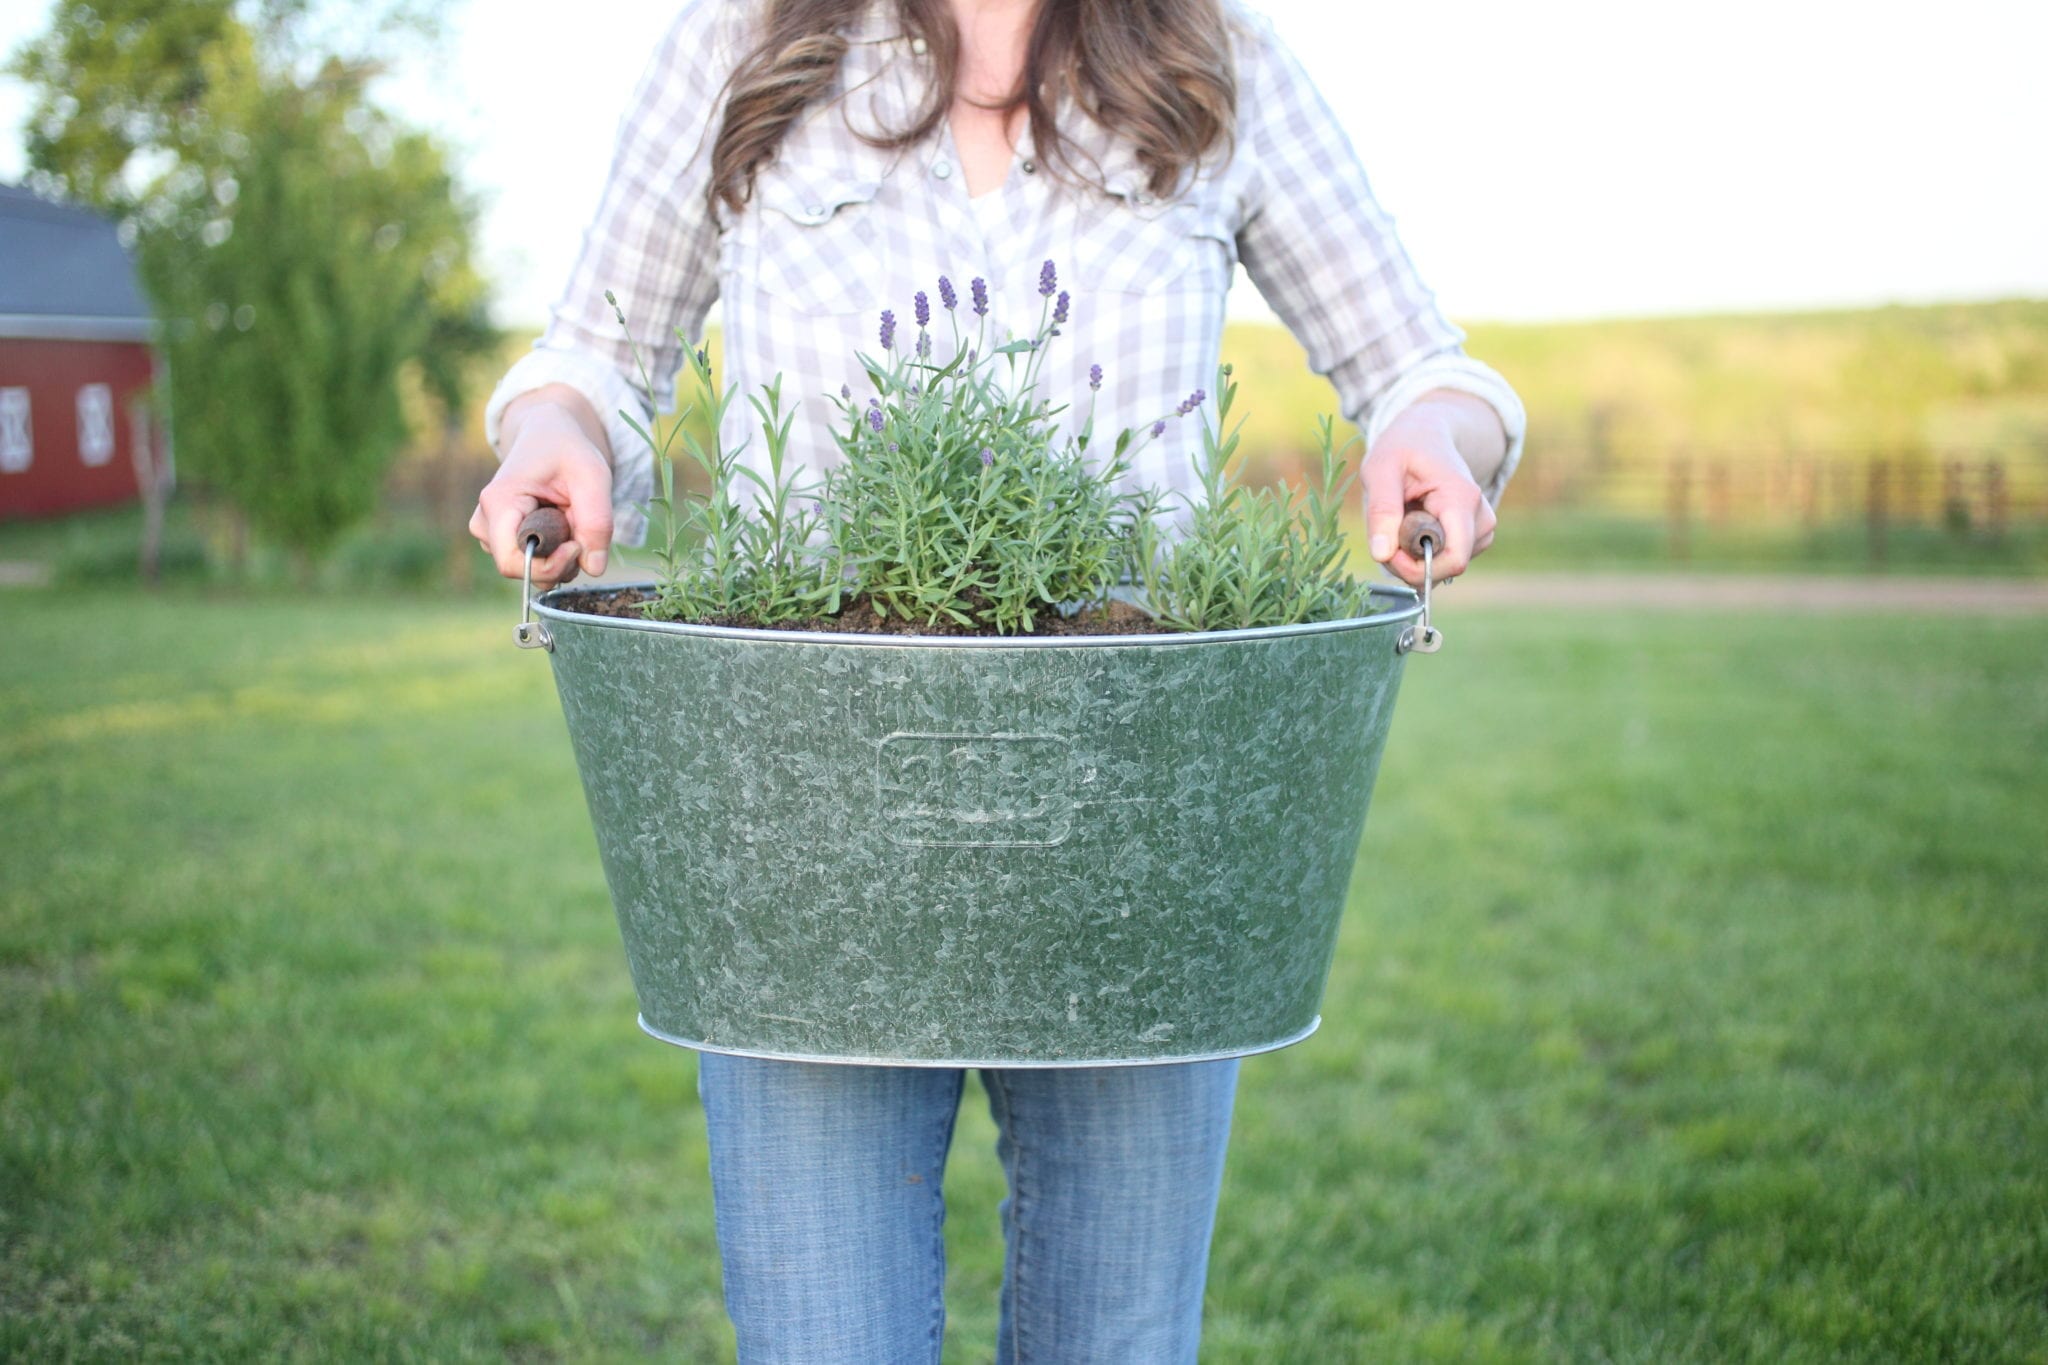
{"x": 64, "y": 274}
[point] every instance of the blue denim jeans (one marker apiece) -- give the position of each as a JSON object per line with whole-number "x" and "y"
{"x": 826, "y": 1182}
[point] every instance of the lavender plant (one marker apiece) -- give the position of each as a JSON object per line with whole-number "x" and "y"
{"x": 718, "y": 562}
{"x": 956, "y": 501}
{"x": 1253, "y": 556}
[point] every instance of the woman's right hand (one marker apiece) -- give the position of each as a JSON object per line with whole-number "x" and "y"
{"x": 556, "y": 453}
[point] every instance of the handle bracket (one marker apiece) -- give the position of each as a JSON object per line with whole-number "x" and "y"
{"x": 1421, "y": 533}
{"x": 529, "y": 633}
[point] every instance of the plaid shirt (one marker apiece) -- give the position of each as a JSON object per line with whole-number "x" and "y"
{"x": 838, "y": 230}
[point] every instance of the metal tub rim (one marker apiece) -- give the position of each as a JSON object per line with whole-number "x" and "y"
{"x": 1409, "y": 607}
{"x": 960, "y": 1064}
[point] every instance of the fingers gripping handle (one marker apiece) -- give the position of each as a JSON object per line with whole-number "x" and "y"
{"x": 1422, "y": 535}
{"x": 541, "y": 534}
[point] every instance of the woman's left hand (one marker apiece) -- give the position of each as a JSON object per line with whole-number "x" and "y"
{"x": 1420, "y": 460}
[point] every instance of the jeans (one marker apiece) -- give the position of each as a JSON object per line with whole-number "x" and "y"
{"x": 826, "y": 1184}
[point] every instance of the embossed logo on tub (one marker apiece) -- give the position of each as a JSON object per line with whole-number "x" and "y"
{"x": 976, "y": 791}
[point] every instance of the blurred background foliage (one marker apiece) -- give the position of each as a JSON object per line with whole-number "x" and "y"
{"x": 309, "y": 253}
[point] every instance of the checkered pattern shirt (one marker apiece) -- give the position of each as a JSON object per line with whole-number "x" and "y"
{"x": 837, "y": 230}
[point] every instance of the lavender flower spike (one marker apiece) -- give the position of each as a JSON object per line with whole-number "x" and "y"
{"x": 888, "y": 329}
{"x": 979, "y": 288}
{"x": 1159, "y": 428}
{"x": 1190, "y": 403}
{"x": 924, "y": 309}
{"x": 875, "y": 418}
{"x": 1094, "y": 376}
{"x": 946, "y": 295}
{"x": 1059, "y": 308}
{"x": 988, "y": 457}
{"x": 845, "y": 392}
{"x": 1047, "y": 280}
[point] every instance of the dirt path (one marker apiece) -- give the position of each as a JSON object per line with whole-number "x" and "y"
{"x": 1735, "y": 592}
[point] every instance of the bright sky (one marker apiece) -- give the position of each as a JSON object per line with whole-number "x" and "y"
{"x": 1586, "y": 158}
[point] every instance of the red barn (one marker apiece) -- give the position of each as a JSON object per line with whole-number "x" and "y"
{"x": 74, "y": 359}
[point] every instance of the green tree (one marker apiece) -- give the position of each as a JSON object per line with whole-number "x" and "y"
{"x": 302, "y": 245}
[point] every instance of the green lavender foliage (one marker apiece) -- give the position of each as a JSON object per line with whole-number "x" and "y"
{"x": 719, "y": 560}
{"x": 955, "y": 501}
{"x": 1253, "y": 556}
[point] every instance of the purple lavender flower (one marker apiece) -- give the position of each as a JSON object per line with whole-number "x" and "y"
{"x": 893, "y": 447}
{"x": 846, "y": 393}
{"x": 888, "y": 329}
{"x": 924, "y": 309}
{"x": 924, "y": 345}
{"x": 915, "y": 390}
{"x": 1159, "y": 428}
{"x": 1094, "y": 376}
{"x": 1190, "y": 403}
{"x": 703, "y": 357}
{"x": 1047, "y": 280}
{"x": 818, "y": 508}
{"x": 988, "y": 457}
{"x": 875, "y": 418}
{"x": 1059, "y": 307}
{"x": 979, "y": 288}
{"x": 946, "y": 295}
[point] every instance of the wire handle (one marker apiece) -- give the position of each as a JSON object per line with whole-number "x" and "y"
{"x": 541, "y": 533}
{"x": 1422, "y": 535}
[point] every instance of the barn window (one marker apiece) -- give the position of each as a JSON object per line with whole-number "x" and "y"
{"x": 95, "y": 424}
{"x": 16, "y": 445}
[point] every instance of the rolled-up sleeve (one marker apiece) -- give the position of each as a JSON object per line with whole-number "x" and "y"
{"x": 1325, "y": 256}
{"x": 654, "y": 244}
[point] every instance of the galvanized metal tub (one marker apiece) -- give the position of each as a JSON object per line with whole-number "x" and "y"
{"x": 967, "y": 851}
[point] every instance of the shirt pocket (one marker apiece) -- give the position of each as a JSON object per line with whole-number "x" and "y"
{"x": 1133, "y": 243}
{"x": 812, "y": 238}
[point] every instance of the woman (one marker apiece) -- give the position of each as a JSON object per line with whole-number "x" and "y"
{"x": 810, "y": 162}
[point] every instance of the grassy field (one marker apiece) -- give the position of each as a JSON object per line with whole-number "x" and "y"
{"x": 1692, "y": 1006}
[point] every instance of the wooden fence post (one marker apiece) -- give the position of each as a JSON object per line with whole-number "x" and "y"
{"x": 1955, "y": 504}
{"x": 1878, "y": 508}
{"x": 1678, "y": 493}
{"x": 1717, "y": 492}
{"x": 1997, "y": 498}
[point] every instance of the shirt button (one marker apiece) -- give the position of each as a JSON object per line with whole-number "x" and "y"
{"x": 917, "y": 45}
{"x": 942, "y": 169}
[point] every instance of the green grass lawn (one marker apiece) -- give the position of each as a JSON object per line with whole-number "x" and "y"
{"x": 1692, "y": 1006}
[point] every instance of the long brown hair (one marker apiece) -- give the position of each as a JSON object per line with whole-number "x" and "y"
{"x": 1157, "y": 72}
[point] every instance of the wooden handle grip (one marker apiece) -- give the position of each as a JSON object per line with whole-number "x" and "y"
{"x": 547, "y": 526}
{"x": 1418, "y": 526}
